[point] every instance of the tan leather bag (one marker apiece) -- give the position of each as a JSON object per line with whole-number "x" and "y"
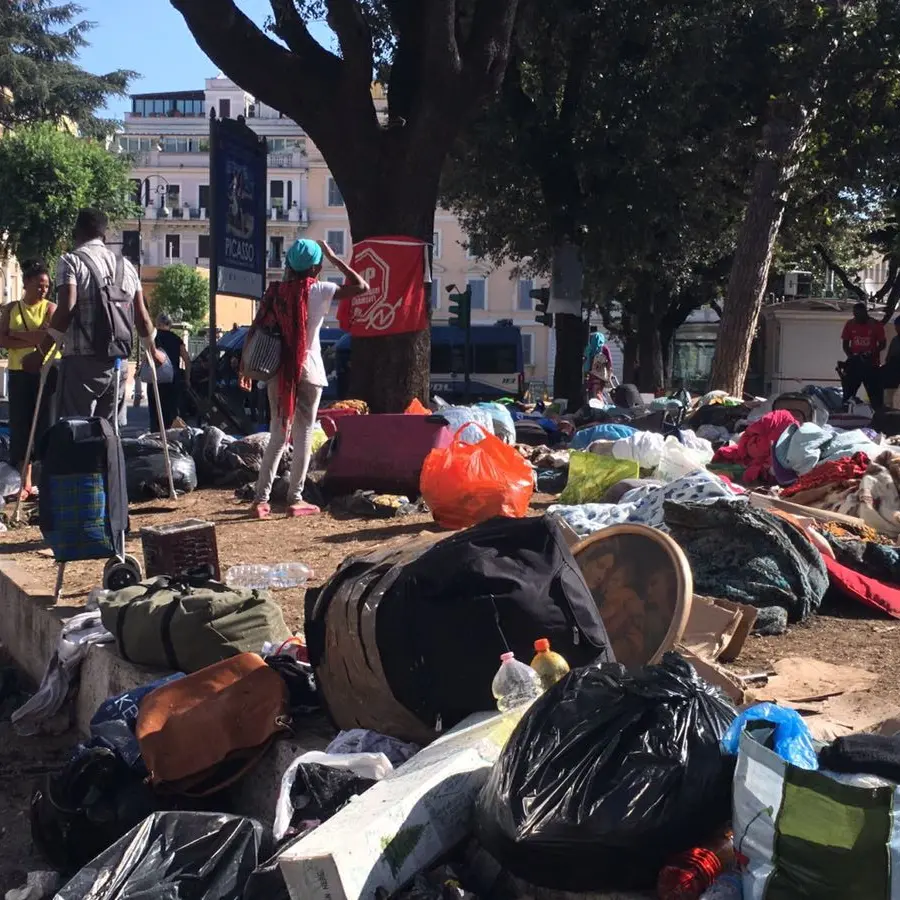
{"x": 201, "y": 733}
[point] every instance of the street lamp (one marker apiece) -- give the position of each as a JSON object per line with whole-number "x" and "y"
{"x": 143, "y": 202}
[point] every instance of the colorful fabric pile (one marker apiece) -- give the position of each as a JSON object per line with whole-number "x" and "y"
{"x": 843, "y": 472}
{"x": 754, "y": 448}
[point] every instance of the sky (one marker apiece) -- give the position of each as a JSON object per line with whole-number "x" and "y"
{"x": 151, "y": 38}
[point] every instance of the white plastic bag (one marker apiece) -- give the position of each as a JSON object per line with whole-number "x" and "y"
{"x": 10, "y": 480}
{"x": 644, "y": 447}
{"x": 676, "y": 460}
{"x": 373, "y": 766}
{"x": 165, "y": 372}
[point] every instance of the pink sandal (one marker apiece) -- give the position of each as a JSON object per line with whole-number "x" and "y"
{"x": 299, "y": 510}
{"x": 260, "y": 511}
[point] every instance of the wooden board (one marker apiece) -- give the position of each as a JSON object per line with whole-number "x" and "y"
{"x": 765, "y": 501}
{"x": 642, "y": 584}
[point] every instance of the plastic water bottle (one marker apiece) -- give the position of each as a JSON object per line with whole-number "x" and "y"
{"x": 515, "y": 684}
{"x": 692, "y": 874}
{"x": 725, "y": 887}
{"x": 257, "y": 576}
{"x": 550, "y": 666}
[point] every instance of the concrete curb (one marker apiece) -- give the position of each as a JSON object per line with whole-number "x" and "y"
{"x": 30, "y": 625}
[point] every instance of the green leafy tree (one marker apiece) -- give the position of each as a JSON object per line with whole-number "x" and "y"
{"x": 39, "y": 42}
{"x": 438, "y": 59}
{"x": 666, "y": 140}
{"x": 183, "y": 293}
{"x": 46, "y": 176}
{"x": 606, "y": 135}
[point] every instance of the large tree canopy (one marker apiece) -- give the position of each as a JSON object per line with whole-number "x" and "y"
{"x": 666, "y": 138}
{"x": 439, "y": 59}
{"x": 39, "y": 42}
{"x": 46, "y": 176}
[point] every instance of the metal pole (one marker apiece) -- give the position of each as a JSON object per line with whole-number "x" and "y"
{"x": 151, "y": 362}
{"x": 215, "y": 210}
{"x": 45, "y": 370}
{"x": 468, "y": 352}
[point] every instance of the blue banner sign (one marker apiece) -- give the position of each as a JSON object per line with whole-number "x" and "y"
{"x": 238, "y": 176}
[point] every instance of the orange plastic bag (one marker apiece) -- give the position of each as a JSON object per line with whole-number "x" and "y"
{"x": 416, "y": 408}
{"x": 464, "y": 484}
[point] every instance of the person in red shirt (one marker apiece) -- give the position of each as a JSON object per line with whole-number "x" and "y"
{"x": 863, "y": 340}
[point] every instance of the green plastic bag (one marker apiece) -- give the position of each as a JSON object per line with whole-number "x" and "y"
{"x": 590, "y": 476}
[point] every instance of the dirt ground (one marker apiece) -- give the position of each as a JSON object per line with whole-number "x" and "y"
{"x": 24, "y": 762}
{"x": 322, "y": 542}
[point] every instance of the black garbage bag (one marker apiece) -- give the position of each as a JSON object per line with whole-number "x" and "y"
{"x": 552, "y": 481}
{"x": 245, "y": 455}
{"x": 607, "y": 775}
{"x": 186, "y": 437}
{"x": 145, "y": 469}
{"x": 208, "y": 453}
{"x": 173, "y": 855}
{"x": 78, "y": 812}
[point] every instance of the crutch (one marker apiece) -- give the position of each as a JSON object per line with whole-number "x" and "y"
{"x": 151, "y": 362}
{"x": 45, "y": 371}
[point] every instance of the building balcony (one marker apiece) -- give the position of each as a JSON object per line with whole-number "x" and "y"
{"x": 294, "y": 215}
{"x": 275, "y": 262}
{"x": 192, "y": 213}
{"x": 287, "y": 159}
{"x": 152, "y": 159}
{"x": 160, "y": 159}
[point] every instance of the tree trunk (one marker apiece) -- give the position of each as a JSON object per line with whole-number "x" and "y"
{"x": 783, "y": 138}
{"x": 629, "y": 358}
{"x": 388, "y": 372}
{"x": 568, "y": 376}
{"x": 651, "y": 377}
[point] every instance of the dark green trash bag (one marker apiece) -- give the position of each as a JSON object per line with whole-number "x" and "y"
{"x": 168, "y": 624}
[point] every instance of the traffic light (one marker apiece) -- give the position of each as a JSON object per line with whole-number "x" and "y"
{"x": 461, "y": 309}
{"x": 542, "y": 298}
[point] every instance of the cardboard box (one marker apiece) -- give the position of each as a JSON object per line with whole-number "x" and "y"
{"x": 401, "y": 825}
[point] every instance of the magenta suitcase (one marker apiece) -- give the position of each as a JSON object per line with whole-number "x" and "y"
{"x": 383, "y": 453}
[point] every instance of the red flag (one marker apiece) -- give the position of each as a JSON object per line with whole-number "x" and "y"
{"x": 394, "y": 267}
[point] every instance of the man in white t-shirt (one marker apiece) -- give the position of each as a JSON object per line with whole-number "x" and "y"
{"x": 301, "y": 388}
{"x": 88, "y": 378}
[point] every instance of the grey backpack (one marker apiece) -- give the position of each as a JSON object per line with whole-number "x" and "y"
{"x": 114, "y": 315}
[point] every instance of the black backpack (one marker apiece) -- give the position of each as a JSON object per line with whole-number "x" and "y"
{"x": 407, "y": 640}
{"x": 114, "y": 314}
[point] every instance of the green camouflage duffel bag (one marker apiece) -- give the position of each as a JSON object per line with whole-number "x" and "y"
{"x": 168, "y": 623}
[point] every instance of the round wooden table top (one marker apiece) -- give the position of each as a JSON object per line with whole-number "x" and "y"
{"x": 642, "y": 585}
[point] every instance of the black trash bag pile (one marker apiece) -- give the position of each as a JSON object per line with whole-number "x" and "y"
{"x": 209, "y": 447}
{"x": 245, "y": 455}
{"x": 81, "y": 810}
{"x": 319, "y": 792}
{"x": 145, "y": 469}
{"x": 607, "y": 775}
{"x": 266, "y": 881}
{"x": 223, "y": 461}
{"x": 186, "y": 437}
{"x": 201, "y": 856}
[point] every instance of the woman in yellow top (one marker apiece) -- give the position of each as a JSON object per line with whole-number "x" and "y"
{"x": 23, "y": 324}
